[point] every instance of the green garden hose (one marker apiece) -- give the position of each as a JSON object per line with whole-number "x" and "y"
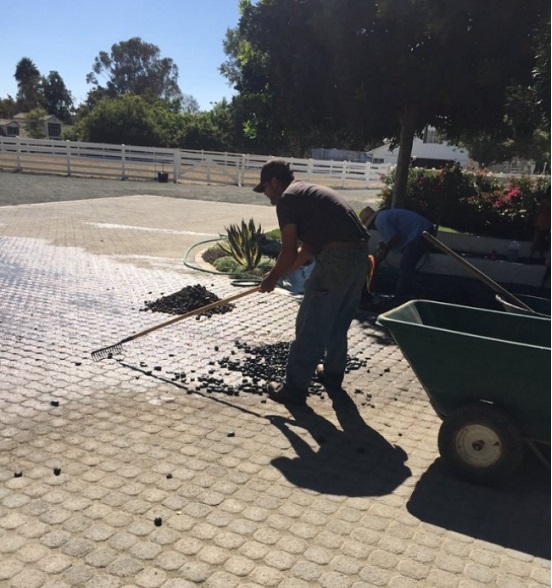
{"x": 246, "y": 281}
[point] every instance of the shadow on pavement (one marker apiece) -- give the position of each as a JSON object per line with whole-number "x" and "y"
{"x": 515, "y": 515}
{"x": 355, "y": 461}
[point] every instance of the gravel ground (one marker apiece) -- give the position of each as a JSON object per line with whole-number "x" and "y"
{"x": 18, "y": 188}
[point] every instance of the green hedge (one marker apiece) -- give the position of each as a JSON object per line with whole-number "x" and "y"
{"x": 474, "y": 202}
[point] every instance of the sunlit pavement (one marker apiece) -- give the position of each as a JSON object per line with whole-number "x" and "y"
{"x": 121, "y": 473}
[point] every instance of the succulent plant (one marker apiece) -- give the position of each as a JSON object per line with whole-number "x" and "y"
{"x": 243, "y": 244}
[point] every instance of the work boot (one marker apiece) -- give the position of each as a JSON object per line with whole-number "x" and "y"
{"x": 285, "y": 395}
{"x": 330, "y": 381}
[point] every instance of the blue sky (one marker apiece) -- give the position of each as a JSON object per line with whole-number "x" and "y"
{"x": 66, "y": 36}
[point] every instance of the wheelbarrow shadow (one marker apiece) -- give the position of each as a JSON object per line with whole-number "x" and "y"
{"x": 515, "y": 515}
{"x": 355, "y": 461}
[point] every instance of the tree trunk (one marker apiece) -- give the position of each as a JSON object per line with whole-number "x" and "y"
{"x": 408, "y": 129}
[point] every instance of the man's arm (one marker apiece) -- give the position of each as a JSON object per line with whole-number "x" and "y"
{"x": 385, "y": 248}
{"x": 287, "y": 260}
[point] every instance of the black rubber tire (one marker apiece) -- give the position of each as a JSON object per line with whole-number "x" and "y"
{"x": 481, "y": 444}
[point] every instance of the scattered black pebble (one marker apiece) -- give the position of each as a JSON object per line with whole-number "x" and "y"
{"x": 77, "y": 363}
{"x": 387, "y": 370}
{"x": 231, "y": 435}
{"x": 54, "y": 402}
{"x": 157, "y": 368}
{"x": 158, "y": 521}
{"x": 258, "y": 365}
{"x": 57, "y": 471}
{"x": 188, "y": 299}
{"x": 18, "y": 474}
{"x": 169, "y": 476}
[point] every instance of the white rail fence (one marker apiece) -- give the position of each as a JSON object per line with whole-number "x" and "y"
{"x": 152, "y": 163}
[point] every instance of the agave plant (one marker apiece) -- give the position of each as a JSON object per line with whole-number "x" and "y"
{"x": 243, "y": 244}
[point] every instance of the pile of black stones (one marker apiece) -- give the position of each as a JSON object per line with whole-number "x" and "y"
{"x": 258, "y": 366}
{"x": 188, "y": 299}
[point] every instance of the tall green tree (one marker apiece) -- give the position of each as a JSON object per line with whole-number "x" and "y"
{"x": 8, "y": 107}
{"x": 34, "y": 123}
{"x": 135, "y": 67}
{"x": 387, "y": 68}
{"x": 58, "y": 99}
{"x": 525, "y": 131}
{"x": 130, "y": 120}
{"x": 29, "y": 92}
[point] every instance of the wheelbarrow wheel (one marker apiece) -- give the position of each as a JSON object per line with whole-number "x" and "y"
{"x": 480, "y": 443}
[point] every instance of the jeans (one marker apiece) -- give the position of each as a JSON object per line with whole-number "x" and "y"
{"x": 330, "y": 302}
{"x": 411, "y": 255}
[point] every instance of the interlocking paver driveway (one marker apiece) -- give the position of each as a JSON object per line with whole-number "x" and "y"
{"x": 117, "y": 473}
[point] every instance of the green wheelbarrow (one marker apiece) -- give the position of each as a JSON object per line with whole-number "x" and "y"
{"x": 487, "y": 376}
{"x": 539, "y": 306}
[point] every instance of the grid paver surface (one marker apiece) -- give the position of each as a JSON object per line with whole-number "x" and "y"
{"x": 117, "y": 473}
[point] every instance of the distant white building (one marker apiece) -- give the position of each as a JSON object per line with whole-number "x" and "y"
{"x": 428, "y": 151}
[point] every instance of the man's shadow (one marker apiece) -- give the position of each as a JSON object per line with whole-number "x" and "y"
{"x": 354, "y": 461}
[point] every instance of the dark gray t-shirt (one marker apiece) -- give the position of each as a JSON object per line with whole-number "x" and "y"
{"x": 321, "y": 215}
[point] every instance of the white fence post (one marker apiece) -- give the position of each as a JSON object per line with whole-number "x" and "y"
{"x": 68, "y": 156}
{"x": 176, "y": 165}
{"x": 18, "y": 151}
{"x": 241, "y": 170}
{"x": 123, "y": 168}
{"x": 344, "y": 165}
{"x": 310, "y": 166}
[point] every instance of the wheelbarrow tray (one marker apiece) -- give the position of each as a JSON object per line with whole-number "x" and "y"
{"x": 539, "y": 306}
{"x": 463, "y": 355}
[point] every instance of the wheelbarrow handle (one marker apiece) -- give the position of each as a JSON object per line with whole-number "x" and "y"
{"x": 483, "y": 277}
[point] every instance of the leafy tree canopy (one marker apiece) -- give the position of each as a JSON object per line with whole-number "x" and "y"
{"x": 34, "y": 123}
{"x": 57, "y": 98}
{"x": 130, "y": 120}
{"x": 8, "y": 107}
{"x": 135, "y": 67}
{"x": 370, "y": 69}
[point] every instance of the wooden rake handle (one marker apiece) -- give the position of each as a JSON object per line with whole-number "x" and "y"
{"x": 181, "y": 317}
{"x": 483, "y": 277}
{"x": 107, "y": 352}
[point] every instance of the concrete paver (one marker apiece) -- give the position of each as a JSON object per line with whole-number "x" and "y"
{"x": 116, "y": 474}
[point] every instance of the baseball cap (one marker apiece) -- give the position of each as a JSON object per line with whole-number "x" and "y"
{"x": 274, "y": 168}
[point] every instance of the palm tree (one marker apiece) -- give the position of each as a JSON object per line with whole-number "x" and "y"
{"x": 29, "y": 91}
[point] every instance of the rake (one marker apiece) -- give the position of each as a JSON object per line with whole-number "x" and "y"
{"x": 107, "y": 352}
{"x": 478, "y": 273}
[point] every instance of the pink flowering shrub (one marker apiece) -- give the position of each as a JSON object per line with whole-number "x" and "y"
{"x": 473, "y": 202}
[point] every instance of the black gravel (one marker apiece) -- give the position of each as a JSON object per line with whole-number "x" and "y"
{"x": 257, "y": 365}
{"x": 188, "y": 299}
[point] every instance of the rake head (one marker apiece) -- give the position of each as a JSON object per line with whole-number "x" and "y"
{"x": 107, "y": 352}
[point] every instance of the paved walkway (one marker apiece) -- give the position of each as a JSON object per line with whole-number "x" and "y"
{"x": 130, "y": 472}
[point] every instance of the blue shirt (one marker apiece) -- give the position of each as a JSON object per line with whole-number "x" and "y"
{"x": 402, "y": 223}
